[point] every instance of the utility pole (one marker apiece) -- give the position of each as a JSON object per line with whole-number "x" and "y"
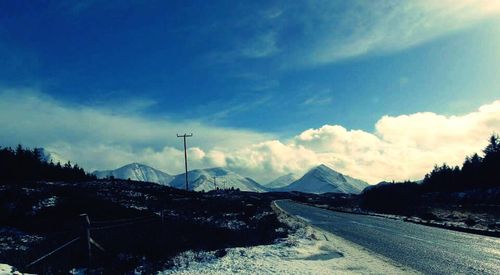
{"x": 185, "y": 156}
{"x": 215, "y": 183}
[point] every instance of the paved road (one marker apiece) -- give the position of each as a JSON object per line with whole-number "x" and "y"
{"x": 426, "y": 249}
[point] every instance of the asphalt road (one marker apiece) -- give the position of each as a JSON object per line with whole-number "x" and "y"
{"x": 426, "y": 249}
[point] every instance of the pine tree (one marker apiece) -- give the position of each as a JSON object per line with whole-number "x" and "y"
{"x": 490, "y": 169}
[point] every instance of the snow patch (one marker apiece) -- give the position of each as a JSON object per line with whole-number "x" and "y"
{"x": 47, "y": 202}
{"x": 6, "y": 269}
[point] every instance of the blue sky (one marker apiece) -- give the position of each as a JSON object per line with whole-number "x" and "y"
{"x": 271, "y": 69}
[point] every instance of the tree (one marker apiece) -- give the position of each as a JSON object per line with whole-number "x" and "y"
{"x": 471, "y": 171}
{"x": 493, "y": 146}
{"x": 490, "y": 169}
{"x": 442, "y": 178}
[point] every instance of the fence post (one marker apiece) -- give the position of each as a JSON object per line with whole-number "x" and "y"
{"x": 162, "y": 228}
{"x": 86, "y": 238}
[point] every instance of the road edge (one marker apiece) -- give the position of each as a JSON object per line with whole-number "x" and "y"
{"x": 488, "y": 233}
{"x": 405, "y": 268}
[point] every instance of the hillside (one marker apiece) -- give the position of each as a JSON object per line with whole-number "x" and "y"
{"x": 282, "y": 181}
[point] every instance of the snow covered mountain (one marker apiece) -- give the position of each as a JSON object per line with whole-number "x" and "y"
{"x": 138, "y": 172}
{"x": 322, "y": 179}
{"x": 202, "y": 179}
{"x": 282, "y": 181}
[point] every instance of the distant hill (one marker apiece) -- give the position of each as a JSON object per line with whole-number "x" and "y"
{"x": 323, "y": 179}
{"x": 282, "y": 181}
{"x": 202, "y": 179}
{"x": 138, "y": 172}
{"x": 375, "y": 186}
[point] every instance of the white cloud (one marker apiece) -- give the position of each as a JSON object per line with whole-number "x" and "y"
{"x": 374, "y": 27}
{"x": 318, "y": 100}
{"x": 320, "y": 32}
{"x": 311, "y": 33}
{"x": 402, "y": 147}
{"x": 270, "y": 159}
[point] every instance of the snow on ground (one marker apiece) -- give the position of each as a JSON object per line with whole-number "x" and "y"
{"x": 12, "y": 239}
{"x": 306, "y": 251}
{"x": 6, "y": 269}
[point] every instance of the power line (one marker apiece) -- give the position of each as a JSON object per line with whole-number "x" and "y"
{"x": 108, "y": 222}
{"x": 123, "y": 224}
{"x": 185, "y": 156}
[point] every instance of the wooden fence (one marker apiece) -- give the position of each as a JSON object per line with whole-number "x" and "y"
{"x": 87, "y": 227}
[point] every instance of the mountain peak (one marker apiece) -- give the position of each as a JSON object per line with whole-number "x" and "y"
{"x": 137, "y": 171}
{"x": 135, "y": 164}
{"x": 323, "y": 179}
{"x": 323, "y": 167}
{"x": 218, "y": 170}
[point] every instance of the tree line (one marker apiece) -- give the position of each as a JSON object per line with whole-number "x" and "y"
{"x": 24, "y": 164}
{"x": 475, "y": 172}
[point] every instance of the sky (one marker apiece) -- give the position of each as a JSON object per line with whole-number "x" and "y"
{"x": 378, "y": 90}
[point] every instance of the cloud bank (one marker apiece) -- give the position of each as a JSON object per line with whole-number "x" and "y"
{"x": 401, "y": 147}
{"x": 102, "y": 138}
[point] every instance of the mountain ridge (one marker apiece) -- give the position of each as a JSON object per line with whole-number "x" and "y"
{"x": 202, "y": 179}
{"x": 282, "y": 181}
{"x": 319, "y": 179}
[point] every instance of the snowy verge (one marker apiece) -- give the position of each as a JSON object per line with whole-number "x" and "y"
{"x": 306, "y": 250}
{"x": 6, "y": 269}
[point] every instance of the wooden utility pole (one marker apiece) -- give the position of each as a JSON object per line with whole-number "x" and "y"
{"x": 185, "y": 156}
{"x": 215, "y": 183}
